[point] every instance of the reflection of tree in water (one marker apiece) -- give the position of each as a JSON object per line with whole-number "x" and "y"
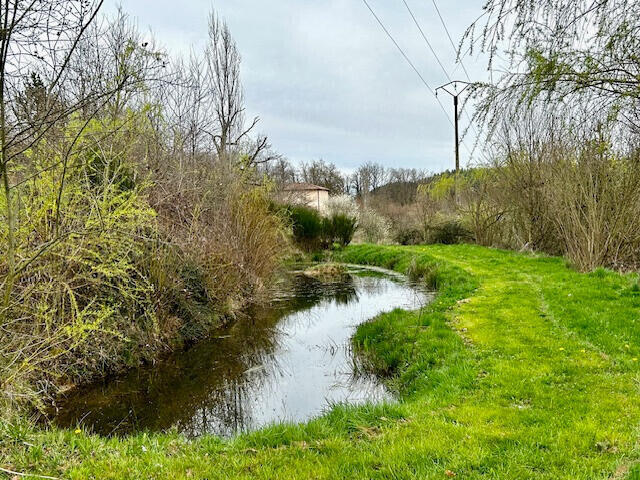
{"x": 375, "y": 285}
{"x": 174, "y": 391}
{"x": 308, "y": 291}
{"x": 220, "y": 385}
{"x": 210, "y": 387}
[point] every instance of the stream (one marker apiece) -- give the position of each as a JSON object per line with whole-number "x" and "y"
{"x": 288, "y": 361}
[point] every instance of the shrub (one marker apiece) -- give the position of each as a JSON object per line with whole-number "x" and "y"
{"x": 343, "y": 227}
{"x": 138, "y": 266}
{"x": 82, "y": 292}
{"x": 373, "y": 227}
{"x": 312, "y": 231}
{"x": 408, "y": 235}
{"x": 594, "y": 195}
{"x": 448, "y": 232}
{"x": 308, "y": 226}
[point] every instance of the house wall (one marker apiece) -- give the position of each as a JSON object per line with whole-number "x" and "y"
{"x": 315, "y": 199}
{"x": 310, "y": 198}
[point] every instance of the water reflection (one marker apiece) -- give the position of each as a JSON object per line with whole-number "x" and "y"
{"x": 287, "y": 362}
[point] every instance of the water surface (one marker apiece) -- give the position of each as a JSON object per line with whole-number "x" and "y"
{"x": 288, "y": 361}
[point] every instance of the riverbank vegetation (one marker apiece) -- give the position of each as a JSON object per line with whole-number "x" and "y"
{"x": 341, "y": 221}
{"x": 520, "y": 368}
{"x": 132, "y": 218}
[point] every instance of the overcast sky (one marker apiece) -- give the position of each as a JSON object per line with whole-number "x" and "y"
{"x": 324, "y": 78}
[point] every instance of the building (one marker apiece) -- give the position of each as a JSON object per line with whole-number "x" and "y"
{"x": 313, "y": 196}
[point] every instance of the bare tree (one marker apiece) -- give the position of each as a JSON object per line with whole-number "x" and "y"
{"x": 324, "y": 174}
{"x": 367, "y": 178}
{"x": 229, "y": 134}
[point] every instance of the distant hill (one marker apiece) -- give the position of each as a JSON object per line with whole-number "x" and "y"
{"x": 404, "y": 192}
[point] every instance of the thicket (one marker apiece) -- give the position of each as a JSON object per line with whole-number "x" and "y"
{"x": 313, "y": 231}
{"x": 562, "y": 121}
{"x": 132, "y": 219}
{"x": 576, "y": 195}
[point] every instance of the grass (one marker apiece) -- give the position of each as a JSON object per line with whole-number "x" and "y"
{"x": 326, "y": 270}
{"x": 520, "y": 369}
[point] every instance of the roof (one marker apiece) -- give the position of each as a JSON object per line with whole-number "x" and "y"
{"x": 301, "y": 187}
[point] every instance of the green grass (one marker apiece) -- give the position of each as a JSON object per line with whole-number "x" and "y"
{"x": 520, "y": 369}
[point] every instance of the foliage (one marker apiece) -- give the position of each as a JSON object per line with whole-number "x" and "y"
{"x": 126, "y": 236}
{"x": 340, "y": 228}
{"x": 311, "y": 230}
{"x": 307, "y": 225}
{"x": 481, "y": 206}
{"x": 447, "y": 232}
{"x": 341, "y": 205}
{"x": 372, "y": 227}
{"x": 408, "y": 235}
{"x": 562, "y": 120}
{"x": 595, "y": 197}
{"x": 85, "y": 289}
{"x": 441, "y": 209}
{"x": 578, "y": 54}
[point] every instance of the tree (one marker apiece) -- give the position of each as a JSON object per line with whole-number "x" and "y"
{"x": 366, "y": 178}
{"x": 229, "y": 134}
{"x": 324, "y": 174}
{"x": 562, "y": 51}
{"x": 280, "y": 171}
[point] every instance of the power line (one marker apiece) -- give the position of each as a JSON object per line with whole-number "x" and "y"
{"x": 450, "y": 39}
{"x": 446, "y": 74}
{"x": 405, "y": 56}
{"x": 407, "y": 59}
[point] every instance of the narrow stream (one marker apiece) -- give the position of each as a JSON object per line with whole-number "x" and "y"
{"x": 289, "y": 361}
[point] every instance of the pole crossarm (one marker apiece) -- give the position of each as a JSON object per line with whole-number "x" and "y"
{"x": 455, "y": 83}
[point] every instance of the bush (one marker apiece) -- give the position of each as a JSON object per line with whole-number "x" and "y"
{"x": 448, "y": 232}
{"x": 373, "y": 227}
{"x": 312, "y": 231}
{"x": 134, "y": 271}
{"x": 408, "y": 236}
{"x": 594, "y": 195}
{"x": 342, "y": 228}
{"x": 308, "y": 226}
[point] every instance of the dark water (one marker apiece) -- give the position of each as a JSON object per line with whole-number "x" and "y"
{"x": 289, "y": 361}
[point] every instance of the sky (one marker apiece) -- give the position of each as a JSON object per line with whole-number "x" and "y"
{"x": 325, "y": 79}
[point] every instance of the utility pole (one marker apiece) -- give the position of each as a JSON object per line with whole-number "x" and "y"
{"x": 448, "y": 87}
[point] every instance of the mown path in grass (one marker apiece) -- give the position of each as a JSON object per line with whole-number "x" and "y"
{"x": 520, "y": 369}
{"x": 560, "y": 395}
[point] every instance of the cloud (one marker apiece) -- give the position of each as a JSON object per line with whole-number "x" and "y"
{"x": 326, "y": 81}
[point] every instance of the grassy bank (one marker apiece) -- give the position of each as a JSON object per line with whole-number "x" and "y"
{"x": 521, "y": 368}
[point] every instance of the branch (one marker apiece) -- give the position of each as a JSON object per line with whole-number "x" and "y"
{"x": 11, "y": 472}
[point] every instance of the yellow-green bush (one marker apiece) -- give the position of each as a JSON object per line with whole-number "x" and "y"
{"x": 107, "y": 276}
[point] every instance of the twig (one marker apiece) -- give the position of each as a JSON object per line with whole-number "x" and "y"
{"x": 11, "y": 472}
